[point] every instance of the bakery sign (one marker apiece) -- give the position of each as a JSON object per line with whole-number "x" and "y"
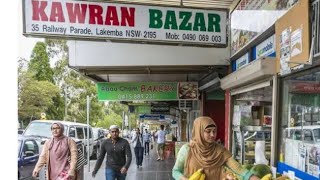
{"x": 153, "y": 91}
{"x": 127, "y": 22}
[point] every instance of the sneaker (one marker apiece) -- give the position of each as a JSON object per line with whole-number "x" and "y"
{"x": 158, "y": 159}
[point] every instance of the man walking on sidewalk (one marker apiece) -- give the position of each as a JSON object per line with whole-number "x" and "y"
{"x": 118, "y": 156}
{"x": 146, "y": 140}
{"x": 161, "y": 137}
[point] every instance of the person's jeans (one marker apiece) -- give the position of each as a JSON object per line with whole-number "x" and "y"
{"x": 112, "y": 174}
{"x": 138, "y": 151}
{"x": 146, "y": 147}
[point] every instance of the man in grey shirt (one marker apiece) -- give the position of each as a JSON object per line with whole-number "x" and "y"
{"x": 118, "y": 156}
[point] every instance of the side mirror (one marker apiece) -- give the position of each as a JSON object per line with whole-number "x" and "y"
{"x": 42, "y": 142}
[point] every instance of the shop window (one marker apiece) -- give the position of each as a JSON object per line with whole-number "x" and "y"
{"x": 300, "y": 120}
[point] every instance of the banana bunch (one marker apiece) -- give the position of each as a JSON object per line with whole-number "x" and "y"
{"x": 198, "y": 175}
{"x": 267, "y": 177}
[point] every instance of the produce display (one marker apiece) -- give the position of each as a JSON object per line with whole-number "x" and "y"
{"x": 260, "y": 170}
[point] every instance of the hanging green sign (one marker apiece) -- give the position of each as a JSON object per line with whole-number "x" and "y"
{"x": 155, "y": 91}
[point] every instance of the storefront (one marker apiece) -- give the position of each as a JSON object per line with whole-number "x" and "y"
{"x": 253, "y": 90}
{"x": 299, "y": 125}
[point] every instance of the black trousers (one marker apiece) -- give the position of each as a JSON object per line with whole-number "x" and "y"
{"x": 146, "y": 147}
{"x": 138, "y": 151}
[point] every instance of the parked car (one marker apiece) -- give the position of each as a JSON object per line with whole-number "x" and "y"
{"x": 28, "y": 155}
{"x": 98, "y": 136}
{"x": 78, "y": 131}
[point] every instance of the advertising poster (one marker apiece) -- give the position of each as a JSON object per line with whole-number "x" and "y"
{"x": 236, "y": 115}
{"x": 285, "y": 51}
{"x": 302, "y": 157}
{"x": 313, "y": 160}
{"x": 296, "y": 42}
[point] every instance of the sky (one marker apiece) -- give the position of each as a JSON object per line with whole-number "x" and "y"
{"x": 25, "y": 44}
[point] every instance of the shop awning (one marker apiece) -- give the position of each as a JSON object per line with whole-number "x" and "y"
{"x": 254, "y": 71}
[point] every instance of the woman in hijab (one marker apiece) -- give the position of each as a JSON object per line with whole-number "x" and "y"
{"x": 55, "y": 153}
{"x": 204, "y": 152}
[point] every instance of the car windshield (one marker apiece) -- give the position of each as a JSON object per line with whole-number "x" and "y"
{"x": 40, "y": 129}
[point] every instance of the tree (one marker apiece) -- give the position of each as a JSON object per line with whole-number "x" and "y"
{"x": 39, "y": 63}
{"x": 110, "y": 119}
{"x": 74, "y": 87}
{"x": 36, "y": 97}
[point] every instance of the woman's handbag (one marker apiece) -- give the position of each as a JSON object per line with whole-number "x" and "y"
{"x": 81, "y": 160}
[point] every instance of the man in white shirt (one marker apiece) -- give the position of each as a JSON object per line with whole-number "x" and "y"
{"x": 161, "y": 137}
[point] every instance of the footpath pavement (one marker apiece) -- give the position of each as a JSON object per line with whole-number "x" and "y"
{"x": 151, "y": 168}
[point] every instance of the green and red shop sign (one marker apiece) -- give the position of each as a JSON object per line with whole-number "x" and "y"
{"x": 125, "y": 22}
{"x": 153, "y": 91}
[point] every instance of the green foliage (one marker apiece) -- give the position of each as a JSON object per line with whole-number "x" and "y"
{"x": 110, "y": 119}
{"x": 37, "y": 97}
{"x": 39, "y": 64}
{"x": 43, "y": 89}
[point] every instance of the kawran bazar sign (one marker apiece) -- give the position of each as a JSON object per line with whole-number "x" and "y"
{"x": 125, "y": 22}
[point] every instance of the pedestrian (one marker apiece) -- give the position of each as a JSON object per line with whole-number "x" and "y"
{"x": 161, "y": 137}
{"x": 137, "y": 143}
{"x": 55, "y": 154}
{"x": 146, "y": 140}
{"x": 118, "y": 156}
{"x": 203, "y": 152}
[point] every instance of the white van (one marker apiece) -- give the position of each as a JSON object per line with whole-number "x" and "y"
{"x": 78, "y": 131}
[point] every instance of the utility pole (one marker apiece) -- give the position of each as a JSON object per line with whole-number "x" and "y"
{"x": 65, "y": 104}
{"x": 123, "y": 117}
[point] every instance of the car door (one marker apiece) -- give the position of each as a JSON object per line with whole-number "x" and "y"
{"x": 30, "y": 156}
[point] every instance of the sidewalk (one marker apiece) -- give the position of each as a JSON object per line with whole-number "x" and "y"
{"x": 151, "y": 168}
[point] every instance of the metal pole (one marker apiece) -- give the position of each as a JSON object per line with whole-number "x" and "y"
{"x": 88, "y": 135}
{"x": 123, "y": 116}
{"x": 65, "y": 104}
